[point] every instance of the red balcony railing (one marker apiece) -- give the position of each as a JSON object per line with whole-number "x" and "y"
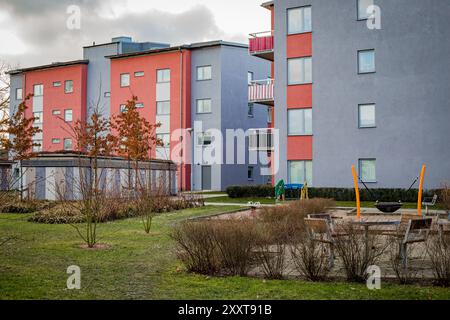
{"x": 262, "y": 45}
{"x": 261, "y": 91}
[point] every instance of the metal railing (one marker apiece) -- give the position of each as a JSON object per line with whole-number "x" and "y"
{"x": 261, "y": 42}
{"x": 261, "y": 90}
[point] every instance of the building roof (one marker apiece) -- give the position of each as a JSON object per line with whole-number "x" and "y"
{"x": 49, "y": 66}
{"x": 193, "y": 46}
{"x": 268, "y": 4}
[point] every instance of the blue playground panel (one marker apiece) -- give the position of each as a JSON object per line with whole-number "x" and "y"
{"x": 293, "y": 186}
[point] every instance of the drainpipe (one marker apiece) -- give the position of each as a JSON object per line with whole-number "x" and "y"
{"x": 181, "y": 114}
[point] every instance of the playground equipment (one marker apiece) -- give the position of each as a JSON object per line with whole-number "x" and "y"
{"x": 388, "y": 207}
{"x": 280, "y": 191}
{"x": 300, "y": 189}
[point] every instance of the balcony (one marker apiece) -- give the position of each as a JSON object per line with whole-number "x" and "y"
{"x": 261, "y": 140}
{"x": 262, "y": 45}
{"x": 261, "y": 92}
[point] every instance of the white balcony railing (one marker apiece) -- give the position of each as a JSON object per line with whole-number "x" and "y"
{"x": 261, "y": 140}
{"x": 261, "y": 91}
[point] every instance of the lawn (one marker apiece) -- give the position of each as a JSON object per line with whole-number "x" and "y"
{"x": 140, "y": 266}
{"x": 345, "y": 204}
{"x": 226, "y": 199}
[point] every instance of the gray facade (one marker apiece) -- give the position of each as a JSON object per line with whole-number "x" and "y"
{"x": 68, "y": 176}
{"x": 229, "y": 95}
{"x": 410, "y": 89}
{"x": 16, "y": 82}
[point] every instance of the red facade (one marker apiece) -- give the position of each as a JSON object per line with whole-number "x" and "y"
{"x": 145, "y": 89}
{"x": 55, "y": 128}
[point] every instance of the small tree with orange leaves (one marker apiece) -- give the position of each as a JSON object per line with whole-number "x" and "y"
{"x": 17, "y": 137}
{"x": 136, "y": 137}
{"x": 136, "y": 141}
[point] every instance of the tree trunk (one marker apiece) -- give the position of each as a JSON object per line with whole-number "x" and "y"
{"x": 21, "y": 180}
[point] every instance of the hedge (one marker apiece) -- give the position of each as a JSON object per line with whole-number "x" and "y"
{"x": 338, "y": 194}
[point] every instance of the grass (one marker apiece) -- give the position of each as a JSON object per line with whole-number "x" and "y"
{"x": 140, "y": 266}
{"x": 226, "y": 199}
{"x": 345, "y": 204}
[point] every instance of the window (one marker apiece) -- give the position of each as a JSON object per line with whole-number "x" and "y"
{"x": 300, "y": 172}
{"x": 299, "y": 71}
{"x": 56, "y": 112}
{"x": 163, "y": 75}
{"x": 57, "y": 84}
{"x": 250, "y": 77}
{"x": 165, "y": 138}
{"x": 204, "y": 73}
{"x": 299, "y": 20}
{"x": 38, "y": 117}
{"x": 125, "y": 80}
{"x": 67, "y": 144}
{"x": 299, "y": 122}
{"x": 38, "y": 90}
{"x": 366, "y": 116}
{"x": 56, "y": 140}
{"x": 68, "y": 86}
{"x": 204, "y": 139}
{"x": 139, "y": 74}
{"x": 367, "y": 170}
{"x": 123, "y": 108}
{"x": 250, "y": 173}
{"x": 269, "y": 115}
{"x": 204, "y": 106}
{"x": 366, "y": 61}
{"x": 163, "y": 108}
{"x": 363, "y": 5}
{"x": 37, "y": 147}
{"x": 107, "y": 94}
{"x": 19, "y": 94}
{"x": 139, "y": 105}
{"x": 250, "y": 110}
{"x": 260, "y": 140}
{"x": 68, "y": 115}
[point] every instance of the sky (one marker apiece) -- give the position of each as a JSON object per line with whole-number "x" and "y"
{"x": 35, "y": 32}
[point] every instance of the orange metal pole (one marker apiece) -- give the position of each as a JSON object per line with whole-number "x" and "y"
{"x": 358, "y": 200}
{"x": 419, "y": 200}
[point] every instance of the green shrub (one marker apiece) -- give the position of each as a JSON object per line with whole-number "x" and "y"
{"x": 338, "y": 194}
{"x": 114, "y": 209}
{"x": 23, "y": 207}
{"x": 260, "y": 191}
{"x": 57, "y": 215}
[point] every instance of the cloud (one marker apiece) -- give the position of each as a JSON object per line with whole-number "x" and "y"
{"x": 41, "y": 26}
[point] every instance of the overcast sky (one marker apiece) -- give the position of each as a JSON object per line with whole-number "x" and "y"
{"x": 35, "y": 32}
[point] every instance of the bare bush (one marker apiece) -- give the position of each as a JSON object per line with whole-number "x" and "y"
{"x": 216, "y": 246}
{"x": 404, "y": 274}
{"x": 439, "y": 252}
{"x": 351, "y": 247}
{"x": 271, "y": 249}
{"x": 445, "y": 197}
{"x": 235, "y": 240}
{"x": 289, "y": 218}
{"x": 197, "y": 248}
{"x": 311, "y": 258}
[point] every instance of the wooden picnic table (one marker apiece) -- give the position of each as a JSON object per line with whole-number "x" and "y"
{"x": 368, "y": 224}
{"x": 442, "y": 224}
